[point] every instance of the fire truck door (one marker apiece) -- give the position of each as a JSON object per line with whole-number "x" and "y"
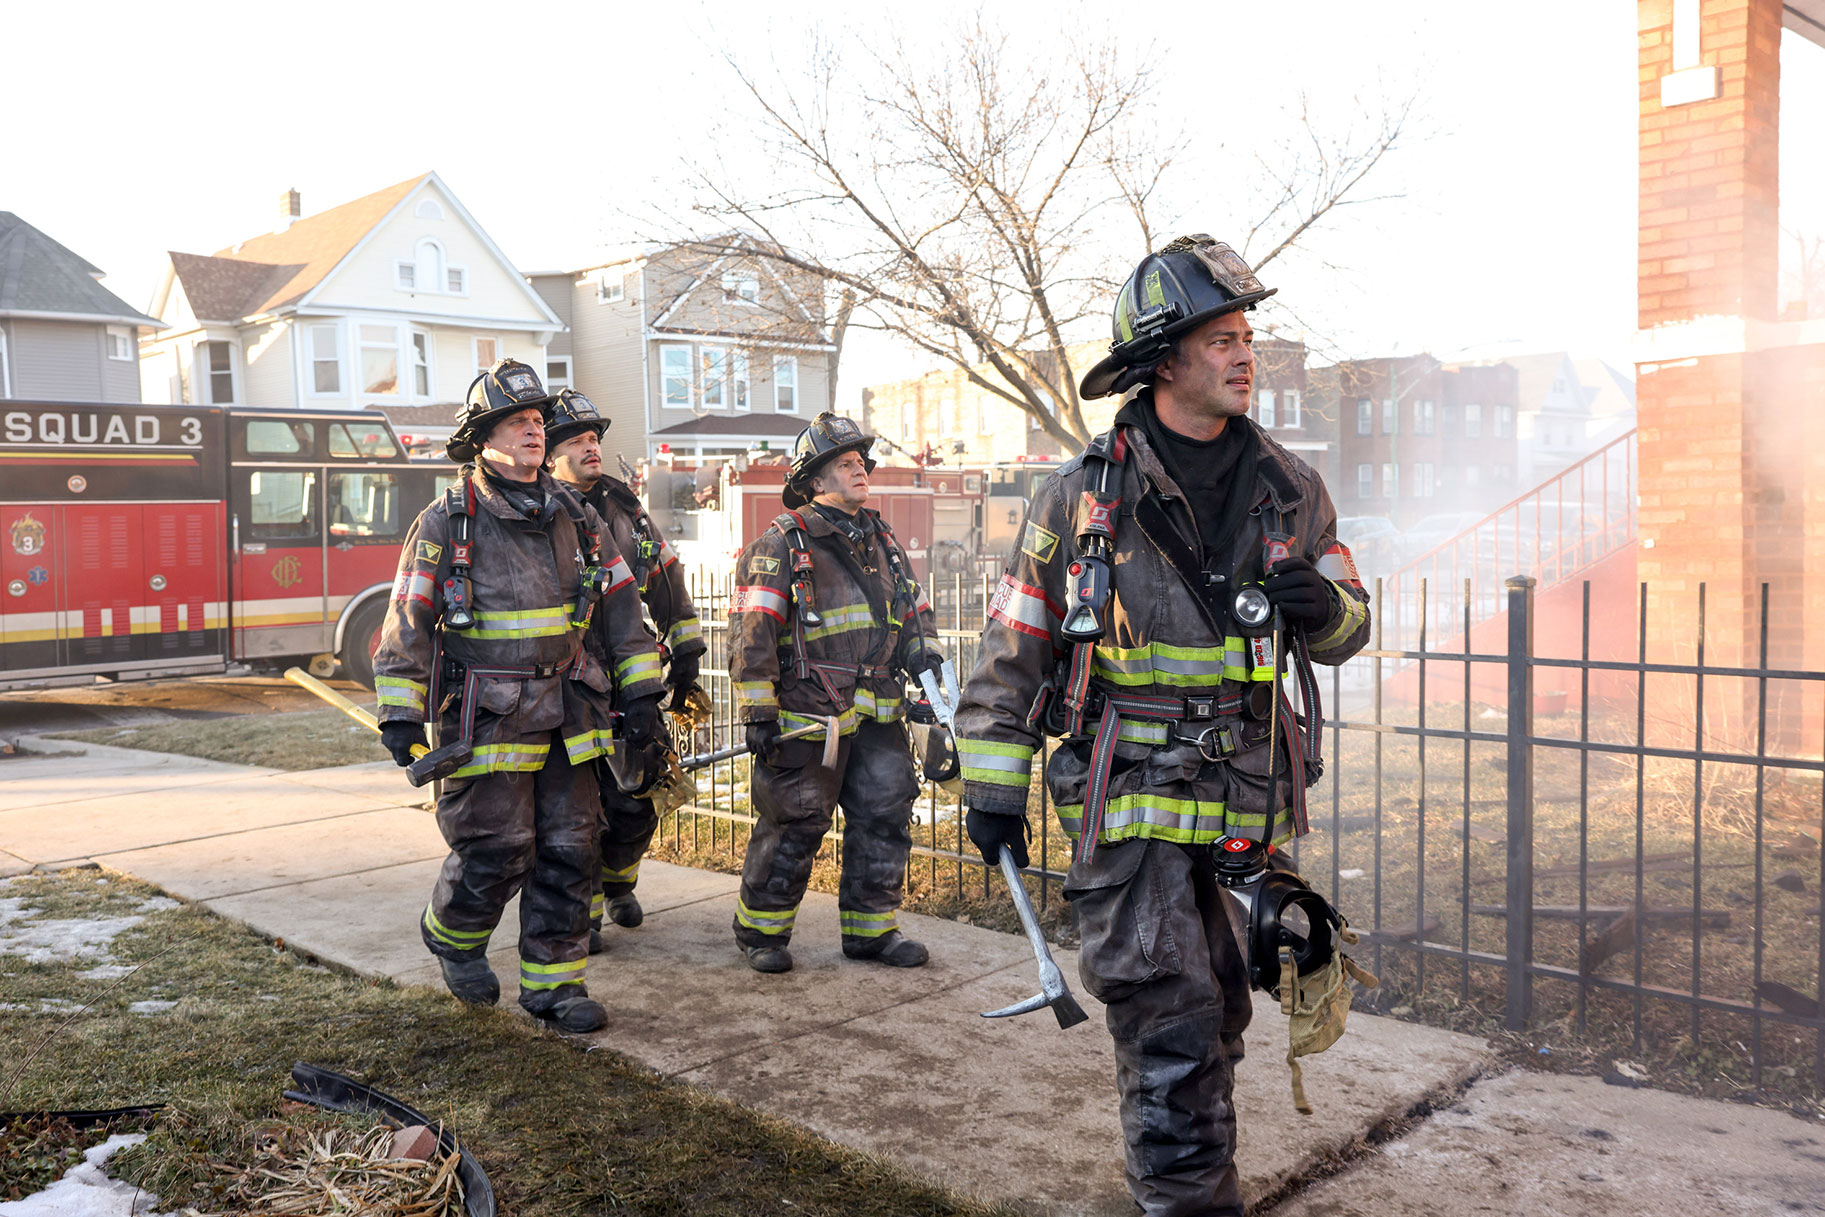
{"x": 102, "y": 581}
{"x": 185, "y": 591}
{"x": 278, "y": 604}
{"x": 29, "y": 541}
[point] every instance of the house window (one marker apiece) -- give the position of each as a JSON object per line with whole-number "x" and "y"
{"x": 1559, "y": 384}
{"x": 1504, "y": 421}
{"x": 120, "y": 343}
{"x": 1365, "y": 481}
{"x": 714, "y": 367}
{"x": 6, "y": 372}
{"x": 610, "y": 288}
{"x": 557, "y": 373}
{"x": 1473, "y": 420}
{"x": 906, "y": 424}
{"x": 947, "y": 419}
{"x": 1425, "y": 420}
{"x": 1422, "y": 479}
{"x": 406, "y": 275}
{"x": 1390, "y": 480}
{"x": 1289, "y": 408}
{"x": 1365, "y": 416}
{"x": 675, "y": 376}
{"x": 1390, "y": 417}
{"x": 421, "y": 363}
{"x": 740, "y": 286}
{"x": 1264, "y": 407}
{"x": 485, "y": 356}
{"x": 326, "y": 359}
{"x": 738, "y": 380}
{"x": 221, "y": 372}
{"x": 430, "y": 272}
{"x": 429, "y": 209}
{"x": 379, "y": 359}
{"x": 457, "y": 280}
{"x": 785, "y": 384}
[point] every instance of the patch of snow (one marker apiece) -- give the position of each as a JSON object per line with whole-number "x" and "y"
{"x": 106, "y": 971}
{"x": 1354, "y": 872}
{"x": 57, "y": 940}
{"x": 86, "y": 1190}
{"x": 150, "y": 1007}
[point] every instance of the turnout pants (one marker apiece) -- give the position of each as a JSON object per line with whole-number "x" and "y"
{"x": 531, "y": 833}
{"x": 625, "y": 830}
{"x": 1159, "y": 949}
{"x": 793, "y": 802}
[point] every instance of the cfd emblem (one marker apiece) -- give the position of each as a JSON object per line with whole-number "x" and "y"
{"x": 28, "y": 535}
{"x": 287, "y": 571}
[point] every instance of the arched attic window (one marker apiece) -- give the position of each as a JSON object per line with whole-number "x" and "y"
{"x": 430, "y": 259}
{"x": 429, "y": 209}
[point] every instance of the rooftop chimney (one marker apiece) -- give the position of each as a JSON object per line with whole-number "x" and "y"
{"x": 291, "y": 208}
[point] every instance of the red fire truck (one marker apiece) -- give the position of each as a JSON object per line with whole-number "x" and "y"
{"x": 143, "y": 541}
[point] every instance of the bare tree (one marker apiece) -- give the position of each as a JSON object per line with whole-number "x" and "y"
{"x": 963, "y": 203}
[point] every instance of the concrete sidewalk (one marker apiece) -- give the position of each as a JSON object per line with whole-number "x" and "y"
{"x": 901, "y": 1063}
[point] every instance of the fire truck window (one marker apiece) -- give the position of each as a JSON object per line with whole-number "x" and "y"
{"x": 282, "y": 502}
{"x": 274, "y": 437}
{"x": 363, "y": 505}
{"x": 361, "y": 440}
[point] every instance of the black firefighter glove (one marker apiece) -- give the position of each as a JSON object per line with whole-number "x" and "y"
{"x": 1300, "y": 593}
{"x": 400, "y": 738}
{"x": 763, "y": 738}
{"x": 681, "y": 677}
{"x": 990, "y": 830}
{"x": 640, "y": 720}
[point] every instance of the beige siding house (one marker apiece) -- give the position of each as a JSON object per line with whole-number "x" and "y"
{"x": 63, "y": 336}
{"x": 393, "y": 300}
{"x": 708, "y": 355}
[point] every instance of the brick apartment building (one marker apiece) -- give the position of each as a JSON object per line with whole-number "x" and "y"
{"x": 1416, "y": 438}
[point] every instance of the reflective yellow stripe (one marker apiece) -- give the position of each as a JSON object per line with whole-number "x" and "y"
{"x": 689, "y": 629}
{"x": 868, "y": 925}
{"x": 398, "y": 691}
{"x": 882, "y": 708}
{"x": 626, "y": 874}
{"x": 551, "y": 975}
{"x": 580, "y": 748}
{"x": 505, "y": 758}
{"x": 1155, "y": 817}
{"x": 765, "y": 921}
{"x": 644, "y": 666}
{"x": 1355, "y": 612}
{"x": 843, "y": 619}
{"x": 462, "y": 940}
{"x": 755, "y": 693}
{"x": 521, "y": 623}
{"x": 1161, "y": 663}
{"x": 997, "y": 764}
{"x": 846, "y": 722}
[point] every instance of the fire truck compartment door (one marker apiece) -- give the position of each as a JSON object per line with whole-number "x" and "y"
{"x": 184, "y": 592}
{"x": 102, "y": 583}
{"x": 279, "y": 596}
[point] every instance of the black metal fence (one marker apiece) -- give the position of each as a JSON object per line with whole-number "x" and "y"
{"x": 1585, "y": 841}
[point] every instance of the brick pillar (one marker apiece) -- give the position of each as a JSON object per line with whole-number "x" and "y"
{"x": 1709, "y": 107}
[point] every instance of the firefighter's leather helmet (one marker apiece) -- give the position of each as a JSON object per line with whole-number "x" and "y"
{"x": 1173, "y": 290}
{"x": 571, "y": 415}
{"x": 506, "y": 388}
{"x": 828, "y": 437}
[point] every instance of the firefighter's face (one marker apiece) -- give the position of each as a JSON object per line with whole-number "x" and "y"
{"x": 516, "y": 445}
{"x": 1211, "y": 375}
{"x": 843, "y": 483}
{"x": 578, "y": 460}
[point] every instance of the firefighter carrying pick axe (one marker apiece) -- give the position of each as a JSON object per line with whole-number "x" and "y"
{"x": 499, "y": 580}
{"x": 825, "y": 624}
{"x": 1142, "y": 620}
{"x": 574, "y": 456}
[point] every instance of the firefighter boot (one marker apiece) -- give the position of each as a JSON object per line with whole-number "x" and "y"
{"x": 471, "y": 980}
{"x": 595, "y": 938}
{"x": 892, "y": 948}
{"x": 625, "y": 911}
{"x": 570, "y": 1008}
{"x": 769, "y": 959}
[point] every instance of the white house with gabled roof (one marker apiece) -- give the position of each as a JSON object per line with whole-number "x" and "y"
{"x": 394, "y": 299}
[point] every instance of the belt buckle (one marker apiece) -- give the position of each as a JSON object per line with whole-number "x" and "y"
{"x": 1216, "y": 741}
{"x": 1200, "y": 709}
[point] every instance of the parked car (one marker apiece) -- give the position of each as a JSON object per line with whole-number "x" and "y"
{"x": 1433, "y": 531}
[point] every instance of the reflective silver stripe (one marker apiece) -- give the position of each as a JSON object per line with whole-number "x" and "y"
{"x": 1021, "y": 607}
{"x": 757, "y": 599}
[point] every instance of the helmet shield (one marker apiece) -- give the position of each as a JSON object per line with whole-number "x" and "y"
{"x": 1174, "y": 290}
{"x": 506, "y": 388}
{"x": 827, "y": 438}
{"x": 571, "y": 415}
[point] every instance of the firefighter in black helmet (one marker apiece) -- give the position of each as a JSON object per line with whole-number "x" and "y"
{"x": 825, "y": 625}
{"x": 574, "y": 456}
{"x": 1134, "y": 624}
{"x": 499, "y": 581}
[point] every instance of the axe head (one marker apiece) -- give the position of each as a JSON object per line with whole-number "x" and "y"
{"x": 440, "y": 763}
{"x": 1064, "y": 1006}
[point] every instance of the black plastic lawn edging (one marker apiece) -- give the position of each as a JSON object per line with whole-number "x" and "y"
{"x": 328, "y": 1089}
{"x": 83, "y": 1119}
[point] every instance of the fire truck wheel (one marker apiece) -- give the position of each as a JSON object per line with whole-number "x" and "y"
{"x": 360, "y": 640}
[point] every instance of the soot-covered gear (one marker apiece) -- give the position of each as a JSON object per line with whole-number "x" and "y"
{"x": 400, "y": 738}
{"x": 571, "y": 414}
{"x": 991, "y": 832}
{"x": 1175, "y": 289}
{"x": 507, "y": 387}
{"x": 1302, "y": 595}
{"x": 828, "y": 437}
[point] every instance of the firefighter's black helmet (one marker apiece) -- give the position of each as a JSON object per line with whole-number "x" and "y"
{"x": 571, "y": 415}
{"x": 1173, "y": 290}
{"x": 828, "y": 437}
{"x": 506, "y": 388}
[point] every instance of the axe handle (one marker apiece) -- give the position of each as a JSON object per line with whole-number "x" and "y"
{"x": 1029, "y": 920}
{"x": 309, "y": 683}
{"x": 723, "y": 754}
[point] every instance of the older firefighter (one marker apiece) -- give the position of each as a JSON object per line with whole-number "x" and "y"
{"x": 574, "y": 456}
{"x": 1135, "y": 622}
{"x": 498, "y": 582}
{"x": 824, "y": 627}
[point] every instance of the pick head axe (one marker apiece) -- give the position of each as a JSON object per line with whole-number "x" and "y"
{"x": 428, "y": 764}
{"x": 1053, "y": 991}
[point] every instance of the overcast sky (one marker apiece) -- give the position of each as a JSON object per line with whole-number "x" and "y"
{"x": 139, "y": 129}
